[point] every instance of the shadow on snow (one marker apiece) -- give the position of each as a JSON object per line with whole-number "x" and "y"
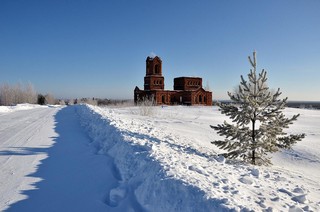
{"x": 72, "y": 177}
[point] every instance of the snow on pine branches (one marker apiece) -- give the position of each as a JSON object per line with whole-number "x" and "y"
{"x": 258, "y": 121}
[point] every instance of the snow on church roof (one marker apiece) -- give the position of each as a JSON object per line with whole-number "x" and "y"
{"x": 152, "y": 55}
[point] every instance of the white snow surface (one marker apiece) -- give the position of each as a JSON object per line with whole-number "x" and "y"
{"x": 88, "y": 158}
{"x": 26, "y": 106}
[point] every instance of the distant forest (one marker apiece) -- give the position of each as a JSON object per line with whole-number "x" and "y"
{"x": 294, "y": 104}
{"x": 304, "y": 104}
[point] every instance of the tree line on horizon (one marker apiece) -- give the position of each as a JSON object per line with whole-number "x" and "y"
{"x": 13, "y": 94}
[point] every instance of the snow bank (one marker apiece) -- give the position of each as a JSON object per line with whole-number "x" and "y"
{"x": 26, "y": 106}
{"x": 140, "y": 175}
{"x": 166, "y": 163}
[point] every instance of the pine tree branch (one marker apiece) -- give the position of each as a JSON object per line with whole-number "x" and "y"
{"x": 287, "y": 141}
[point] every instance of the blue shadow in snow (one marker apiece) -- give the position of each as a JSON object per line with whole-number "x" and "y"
{"x": 72, "y": 177}
{"x": 20, "y": 151}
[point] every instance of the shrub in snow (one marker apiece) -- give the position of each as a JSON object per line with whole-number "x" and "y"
{"x": 90, "y": 101}
{"x": 258, "y": 120}
{"x": 49, "y": 99}
{"x": 146, "y": 105}
{"x": 41, "y": 99}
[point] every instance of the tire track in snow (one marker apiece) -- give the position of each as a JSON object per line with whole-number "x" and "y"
{"x": 20, "y": 151}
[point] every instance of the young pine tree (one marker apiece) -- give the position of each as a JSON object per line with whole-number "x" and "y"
{"x": 258, "y": 119}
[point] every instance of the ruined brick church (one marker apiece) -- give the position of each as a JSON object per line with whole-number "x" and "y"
{"x": 186, "y": 90}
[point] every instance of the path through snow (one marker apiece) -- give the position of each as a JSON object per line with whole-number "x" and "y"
{"x": 48, "y": 164}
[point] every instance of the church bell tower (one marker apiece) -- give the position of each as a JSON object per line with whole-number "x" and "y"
{"x": 153, "y": 79}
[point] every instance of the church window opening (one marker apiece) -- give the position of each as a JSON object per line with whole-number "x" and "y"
{"x": 156, "y": 69}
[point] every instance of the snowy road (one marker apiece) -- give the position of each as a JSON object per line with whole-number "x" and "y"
{"x": 24, "y": 139}
{"x": 47, "y": 163}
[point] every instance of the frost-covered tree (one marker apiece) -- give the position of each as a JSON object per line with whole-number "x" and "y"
{"x": 49, "y": 99}
{"x": 258, "y": 120}
{"x": 30, "y": 94}
{"x": 16, "y": 94}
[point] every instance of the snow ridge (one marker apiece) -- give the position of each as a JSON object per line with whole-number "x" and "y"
{"x": 162, "y": 168}
{"x": 140, "y": 175}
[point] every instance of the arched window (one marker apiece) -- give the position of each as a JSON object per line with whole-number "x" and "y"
{"x": 156, "y": 69}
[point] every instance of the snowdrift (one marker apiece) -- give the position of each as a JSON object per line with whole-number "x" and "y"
{"x": 165, "y": 162}
{"x": 139, "y": 173}
{"x": 26, "y": 106}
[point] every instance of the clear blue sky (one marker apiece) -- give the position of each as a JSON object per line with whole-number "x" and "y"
{"x": 97, "y": 48}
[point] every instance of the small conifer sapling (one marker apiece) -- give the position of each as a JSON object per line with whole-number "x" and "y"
{"x": 258, "y": 120}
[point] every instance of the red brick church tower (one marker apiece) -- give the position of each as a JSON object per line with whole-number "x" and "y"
{"x": 153, "y": 79}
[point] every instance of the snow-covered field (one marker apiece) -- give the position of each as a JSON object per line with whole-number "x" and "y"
{"x": 86, "y": 158}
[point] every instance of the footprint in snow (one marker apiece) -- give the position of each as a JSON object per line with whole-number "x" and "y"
{"x": 298, "y": 190}
{"x": 255, "y": 172}
{"x": 199, "y": 170}
{"x": 215, "y": 184}
{"x": 116, "y": 195}
{"x": 275, "y": 199}
{"x": 235, "y": 192}
{"x": 300, "y": 199}
{"x": 246, "y": 180}
{"x": 225, "y": 181}
{"x": 278, "y": 179}
{"x": 285, "y": 191}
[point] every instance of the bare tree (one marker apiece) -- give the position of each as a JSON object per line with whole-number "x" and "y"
{"x": 30, "y": 94}
{"x": 6, "y": 97}
{"x": 50, "y": 99}
{"x": 17, "y": 93}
